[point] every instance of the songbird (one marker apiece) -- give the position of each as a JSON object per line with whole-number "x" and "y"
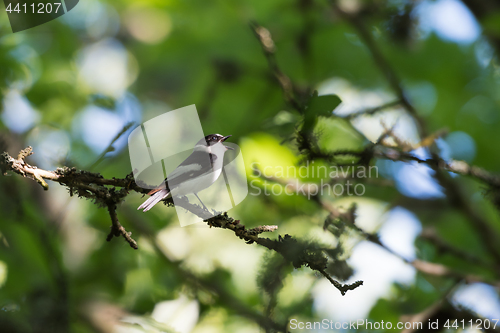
{"x": 197, "y": 172}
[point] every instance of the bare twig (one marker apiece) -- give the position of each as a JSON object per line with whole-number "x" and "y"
{"x": 21, "y": 167}
{"x": 458, "y": 200}
{"x": 458, "y": 167}
{"x": 379, "y": 59}
{"x": 427, "y": 313}
{"x": 421, "y": 317}
{"x": 110, "y": 147}
{"x": 429, "y": 267}
{"x": 268, "y": 47}
{"x": 372, "y": 111}
{"x": 343, "y": 288}
{"x": 117, "y": 229}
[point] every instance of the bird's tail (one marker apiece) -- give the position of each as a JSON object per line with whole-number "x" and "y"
{"x": 154, "y": 199}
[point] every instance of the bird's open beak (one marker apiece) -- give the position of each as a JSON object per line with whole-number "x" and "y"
{"x": 224, "y": 139}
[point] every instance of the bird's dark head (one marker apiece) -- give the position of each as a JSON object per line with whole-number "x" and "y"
{"x": 212, "y": 139}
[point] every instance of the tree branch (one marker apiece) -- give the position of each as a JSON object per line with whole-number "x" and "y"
{"x": 349, "y": 216}
{"x": 117, "y": 229}
{"x": 93, "y": 186}
{"x": 372, "y": 111}
{"x": 379, "y": 59}
{"x": 110, "y": 147}
{"x": 268, "y": 47}
{"x": 344, "y": 288}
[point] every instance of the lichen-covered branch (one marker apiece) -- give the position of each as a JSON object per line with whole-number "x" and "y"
{"x": 344, "y": 288}
{"x": 109, "y": 192}
{"x": 20, "y": 166}
{"x": 117, "y": 229}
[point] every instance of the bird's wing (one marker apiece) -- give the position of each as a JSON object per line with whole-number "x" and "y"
{"x": 196, "y": 165}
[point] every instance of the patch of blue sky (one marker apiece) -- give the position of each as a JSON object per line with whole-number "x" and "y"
{"x": 450, "y": 19}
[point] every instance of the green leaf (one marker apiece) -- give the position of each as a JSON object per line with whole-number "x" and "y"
{"x": 323, "y": 105}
